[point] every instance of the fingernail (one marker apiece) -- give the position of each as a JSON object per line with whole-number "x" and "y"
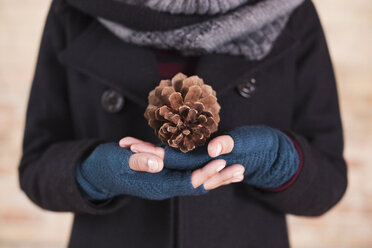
{"x": 153, "y": 164}
{"x": 218, "y": 149}
{"x": 237, "y": 179}
{"x": 219, "y": 168}
{"x": 133, "y": 148}
{"x": 238, "y": 174}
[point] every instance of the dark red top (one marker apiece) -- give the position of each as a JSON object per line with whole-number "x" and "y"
{"x": 171, "y": 62}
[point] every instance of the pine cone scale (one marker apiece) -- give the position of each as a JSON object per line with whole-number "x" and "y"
{"x": 191, "y": 115}
{"x": 176, "y": 100}
{"x": 193, "y": 94}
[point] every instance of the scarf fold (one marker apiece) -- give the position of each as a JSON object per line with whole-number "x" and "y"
{"x": 246, "y": 28}
{"x": 189, "y": 7}
{"x": 136, "y": 17}
{"x": 249, "y": 30}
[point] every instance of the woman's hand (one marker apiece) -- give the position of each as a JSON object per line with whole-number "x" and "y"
{"x": 150, "y": 158}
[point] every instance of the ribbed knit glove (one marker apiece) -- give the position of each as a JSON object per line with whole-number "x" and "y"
{"x": 105, "y": 173}
{"x": 268, "y": 155}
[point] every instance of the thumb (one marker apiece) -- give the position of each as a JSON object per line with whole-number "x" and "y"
{"x": 220, "y": 145}
{"x": 147, "y": 162}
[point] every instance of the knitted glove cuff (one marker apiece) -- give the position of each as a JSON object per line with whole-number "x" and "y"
{"x": 268, "y": 155}
{"x": 254, "y": 146}
{"x": 98, "y": 173}
{"x": 89, "y": 191}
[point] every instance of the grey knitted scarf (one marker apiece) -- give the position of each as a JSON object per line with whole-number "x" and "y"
{"x": 248, "y": 28}
{"x": 189, "y": 7}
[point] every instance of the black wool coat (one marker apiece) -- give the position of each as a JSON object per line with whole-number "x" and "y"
{"x": 90, "y": 87}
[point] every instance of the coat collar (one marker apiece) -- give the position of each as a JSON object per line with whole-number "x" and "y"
{"x": 132, "y": 69}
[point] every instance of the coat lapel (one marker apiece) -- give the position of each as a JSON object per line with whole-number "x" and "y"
{"x": 133, "y": 71}
{"x": 127, "y": 68}
{"x": 225, "y": 72}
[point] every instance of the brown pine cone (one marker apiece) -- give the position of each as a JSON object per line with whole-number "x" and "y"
{"x": 183, "y": 111}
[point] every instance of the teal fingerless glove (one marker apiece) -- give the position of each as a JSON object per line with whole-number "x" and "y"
{"x": 268, "y": 155}
{"x": 105, "y": 173}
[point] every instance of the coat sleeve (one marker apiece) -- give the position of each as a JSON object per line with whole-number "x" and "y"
{"x": 50, "y": 150}
{"x": 316, "y": 127}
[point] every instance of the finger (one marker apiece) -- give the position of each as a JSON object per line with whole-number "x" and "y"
{"x": 236, "y": 179}
{"x": 231, "y": 173}
{"x": 145, "y": 162}
{"x": 148, "y": 148}
{"x": 128, "y": 141}
{"x": 216, "y": 183}
{"x": 198, "y": 177}
{"x": 220, "y": 145}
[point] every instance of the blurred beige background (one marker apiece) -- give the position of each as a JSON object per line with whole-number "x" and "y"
{"x": 348, "y": 26}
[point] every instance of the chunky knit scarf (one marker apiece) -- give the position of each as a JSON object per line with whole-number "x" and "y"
{"x": 234, "y": 27}
{"x": 188, "y": 7}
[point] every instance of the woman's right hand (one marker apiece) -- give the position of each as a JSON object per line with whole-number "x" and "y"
{"x": 150, "y": 158}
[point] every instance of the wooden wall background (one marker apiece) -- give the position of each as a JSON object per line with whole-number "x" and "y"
{"x": 348, "y": 26}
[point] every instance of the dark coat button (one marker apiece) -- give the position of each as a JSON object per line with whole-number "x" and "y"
{"x": 112, "y": 101}
{"x": 247, "y": 89}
